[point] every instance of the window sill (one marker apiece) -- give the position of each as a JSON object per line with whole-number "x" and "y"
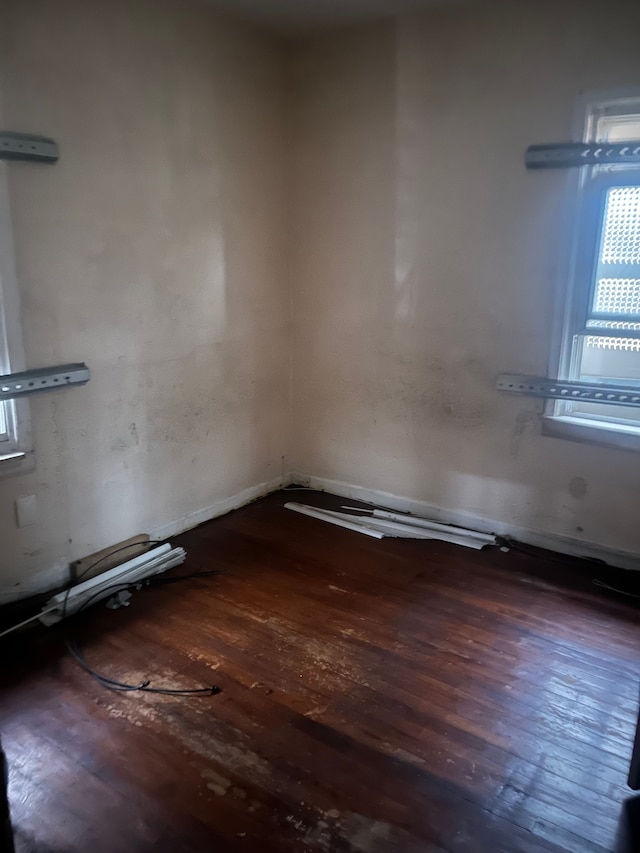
{"x": 7, "y": 457}
{"x": 16, "y": 462}
{"x": 591, "y": 432}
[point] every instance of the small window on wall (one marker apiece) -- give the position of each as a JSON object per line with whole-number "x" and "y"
{"x": 601, "y": 340}
{"x": 15, "y": 433}
{"x": 9, "y": 444}
{"x": 7, "y": 419}
{"x": 4, "y": 424}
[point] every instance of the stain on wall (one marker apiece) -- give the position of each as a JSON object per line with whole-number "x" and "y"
{"x": 427, "y": 258}
{"x": 578, "y": 488}
{"x": 154, "y": 251}
{"x": 375, "y": 180}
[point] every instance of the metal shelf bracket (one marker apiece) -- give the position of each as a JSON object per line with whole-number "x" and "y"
{"x": 565, "y": 155}
{"x": 27, "y": 146}
{"x": 553, "y": 389}
{"x": 42, "y": 379}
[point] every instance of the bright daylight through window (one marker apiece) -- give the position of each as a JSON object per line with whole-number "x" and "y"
{"x": 602, "y": 325}
{"x": 6, "y": 413}
{"x": 11, "y": 443}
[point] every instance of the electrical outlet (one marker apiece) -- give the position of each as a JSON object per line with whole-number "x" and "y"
{"x": 26, "y": 511}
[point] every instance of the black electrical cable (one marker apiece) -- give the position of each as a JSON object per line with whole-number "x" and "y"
{"x": 145, "y": 686}
{"x": 75, "y": 582}
{"x": 113, "y": 684}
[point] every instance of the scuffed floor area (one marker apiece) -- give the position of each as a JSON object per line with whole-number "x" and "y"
{"x": 377, "y": 696}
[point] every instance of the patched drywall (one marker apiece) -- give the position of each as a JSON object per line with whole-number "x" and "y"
{"x": 428, "y": 259}
{"x": 153, "y": 250}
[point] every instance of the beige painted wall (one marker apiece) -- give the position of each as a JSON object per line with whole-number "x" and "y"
{"x": 154, "y": 252}
{"x": 188, "y": 207}
{"x": 427, "y": 259}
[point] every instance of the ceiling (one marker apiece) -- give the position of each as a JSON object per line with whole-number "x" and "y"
{"x": 300, "y": 16}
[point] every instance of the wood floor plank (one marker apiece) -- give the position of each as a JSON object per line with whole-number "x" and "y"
{"x": 377, "y": 696}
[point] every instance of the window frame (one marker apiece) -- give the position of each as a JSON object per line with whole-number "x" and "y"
{"x": 587, "y": 188}
{"x": 16, "y": 449}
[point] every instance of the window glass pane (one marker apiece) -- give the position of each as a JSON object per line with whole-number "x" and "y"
{"x": 621, "y": 227}
{"x": 618, "y": 128}
{"x": 3, "y": 422}
{"x": 617, "y": 285}
{"x": 619, "y": 325}
{"x": 617, "y": 296}
{"x": 616, "y": 360}
{"x": 623, "y": 415}
{"x": 611, "y": 358}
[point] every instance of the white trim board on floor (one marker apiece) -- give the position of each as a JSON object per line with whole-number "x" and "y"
{"x": 538, "y": 538}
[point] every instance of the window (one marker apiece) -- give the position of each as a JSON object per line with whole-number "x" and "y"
{"x": 4, "y": 426}
{"x": 601, "y": 339}
{"x": 8, "y": 437}
{"x": 14, "y": 414}
{"x": 4, "y": 422}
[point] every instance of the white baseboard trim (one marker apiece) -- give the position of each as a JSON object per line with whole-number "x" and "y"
{"x": 538, "y": 538}
{"x": 40, "y": 582}
{"x": 54, "y": 576}
{"x": 221, "y": 507}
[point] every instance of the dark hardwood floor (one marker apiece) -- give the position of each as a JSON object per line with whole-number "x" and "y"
{"x": 376, "y": 696}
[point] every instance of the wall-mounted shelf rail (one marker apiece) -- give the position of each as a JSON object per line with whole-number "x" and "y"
{"x": 553, "y": 389}
{"x": 29, "y": 382}
{"x": 565, "y": 155}
{"x": 27, "y": 146}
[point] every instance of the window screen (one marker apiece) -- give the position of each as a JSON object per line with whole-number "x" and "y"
{"x": 615, "y": 304}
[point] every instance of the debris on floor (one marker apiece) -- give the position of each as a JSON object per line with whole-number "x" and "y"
{"x": 380, "y": 523}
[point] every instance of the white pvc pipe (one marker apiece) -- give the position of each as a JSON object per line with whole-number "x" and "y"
{"x": 117, "y": 571}
{"x": 333, "y": 518}
{"x": 417, "y": 521}
{"x": 407, "y": 531}
{"x": 69, "y": 601}
{"x": 26, "y": 621}
{"x": 389, "y": 528}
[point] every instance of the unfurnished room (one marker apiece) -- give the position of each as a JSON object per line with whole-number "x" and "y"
{"x": 319, "y": 426}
